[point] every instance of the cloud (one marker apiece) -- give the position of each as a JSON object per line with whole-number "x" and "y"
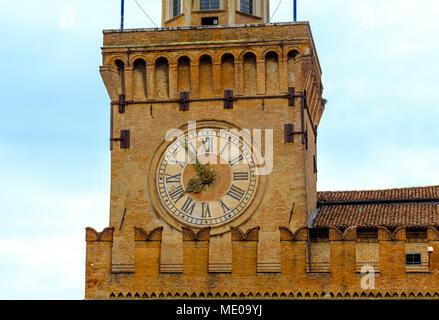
{"x": 380, "y": 168}
{"x": 42, "y": 246}
{"x": 42, "y": 267}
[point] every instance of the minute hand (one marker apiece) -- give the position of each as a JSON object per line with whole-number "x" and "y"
{"x": 198, "y": 166}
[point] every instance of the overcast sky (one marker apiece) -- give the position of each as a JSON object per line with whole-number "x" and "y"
{"x": 379, "y": 130}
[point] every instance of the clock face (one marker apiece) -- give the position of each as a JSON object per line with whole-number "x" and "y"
{"x": 206, "y": 178}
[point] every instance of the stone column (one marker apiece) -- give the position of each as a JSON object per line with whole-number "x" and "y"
{"x": 239, "y": 75}
{"x": 173, "y": 81}
{"x": 150, "y": 80}
{"x": 283, "y": 75}
{"x": 216, "y": 78}
{"x": 129, "y": 87}
{"x": 260, "y": 76}
{"x": 195, "y": 79}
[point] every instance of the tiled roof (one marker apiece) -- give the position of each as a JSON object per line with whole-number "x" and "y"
{"x": 374, "y": 215}
{"x": 409, "y": 207}
{"x": 417, "y": 193}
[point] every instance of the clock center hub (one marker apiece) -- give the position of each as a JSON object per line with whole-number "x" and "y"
{"x": 214, "y": 175}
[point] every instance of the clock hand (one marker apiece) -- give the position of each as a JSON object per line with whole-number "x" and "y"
{"x": 205, "y": 175}
{"x": 200, "y": 168}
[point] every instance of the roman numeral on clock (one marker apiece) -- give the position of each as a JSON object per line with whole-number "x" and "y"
{"x": 240, "y": 176}
{"x": 207, "y": 145}
{"x": 205, "y": 210}
{"x": 236, "y": 192}
{"x": 173, "y": 179}
{"x": 177, "y": 193}
{"x": 189, "y": 147}
{"x": 224, "y": 207}
{"x": 236, "y": 160}
{"x": 189, "y": 206}
{"x": 225, "y": 146}
{"x": 176, "y": 161}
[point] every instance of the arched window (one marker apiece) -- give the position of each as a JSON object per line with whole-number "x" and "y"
{"x": 249, "y": 73}
{"x": 209, "y": 4}
{"x": 176, "y": 7}
{"x": 247, "y": 6}
{"x": 139, "y": 80}
{"x": 228, "y": 72}
{"x": 205, "y": 76}
{"x": 184, "y": 74}
{"x": 272, "y": 72}
{"x": 292, "y": 55}
{"x": 121, "y": 76}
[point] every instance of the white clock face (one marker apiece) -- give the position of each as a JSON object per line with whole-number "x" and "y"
{"x": 206, "y": 178}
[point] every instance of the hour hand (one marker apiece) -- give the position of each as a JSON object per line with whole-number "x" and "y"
{"x": 192, "y": 156}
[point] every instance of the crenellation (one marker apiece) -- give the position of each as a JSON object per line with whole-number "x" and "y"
{"x": 341, "y": 252}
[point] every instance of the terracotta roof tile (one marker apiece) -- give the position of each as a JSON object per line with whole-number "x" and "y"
{"x": 389, "y": 208}
{"x": 417, "y": 193}
{"x": 374, "y": 215}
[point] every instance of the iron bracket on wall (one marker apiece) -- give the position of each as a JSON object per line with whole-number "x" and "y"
{"x": 290, "y": 133}
{"x": 292, "y": 96}
{"x": 122, "y": 103}
{"x": 228, "y": 99}
{"x": 124, "y": 139}
{"x": 184, "y": 101}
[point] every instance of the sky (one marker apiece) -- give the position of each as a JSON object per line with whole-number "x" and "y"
{"x": 379, "y": 129}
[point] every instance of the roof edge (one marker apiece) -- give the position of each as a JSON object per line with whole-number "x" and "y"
{"x": 383, "y": 201}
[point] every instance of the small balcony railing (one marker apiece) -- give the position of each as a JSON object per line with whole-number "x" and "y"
{"x": 318, "y": 267}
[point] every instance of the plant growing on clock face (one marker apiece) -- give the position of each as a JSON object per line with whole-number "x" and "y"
{"x": 205, "y": 177}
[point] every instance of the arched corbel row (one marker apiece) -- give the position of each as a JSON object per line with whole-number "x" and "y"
{"x": 335, "y": 234}
{"x": 384, "y": 233}
{"x": 399, "y": 234}
{"x": 350, "y": 234}
{"x": 433, "y": 233}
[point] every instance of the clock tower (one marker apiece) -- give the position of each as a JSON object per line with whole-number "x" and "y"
{"x": 213, "y": 133}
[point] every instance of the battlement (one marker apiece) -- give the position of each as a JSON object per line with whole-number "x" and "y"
{"x": 331, "y": 257}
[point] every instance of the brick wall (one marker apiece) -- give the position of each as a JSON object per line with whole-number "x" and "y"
{"x": 340, "y": 281}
